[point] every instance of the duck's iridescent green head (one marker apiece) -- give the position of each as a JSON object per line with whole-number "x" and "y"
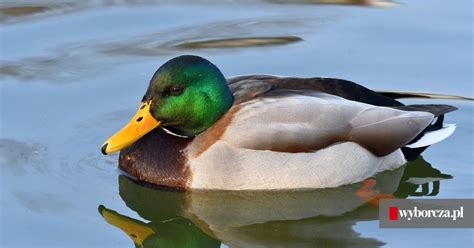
{"x": 186, "y": 95}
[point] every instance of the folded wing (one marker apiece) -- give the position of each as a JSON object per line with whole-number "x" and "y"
{"x": 291, "y": 121}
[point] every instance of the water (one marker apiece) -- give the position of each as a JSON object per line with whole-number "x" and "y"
{"x": 72, "y": 73}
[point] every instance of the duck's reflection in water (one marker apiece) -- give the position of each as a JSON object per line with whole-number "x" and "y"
{"x": 306, "y": 218}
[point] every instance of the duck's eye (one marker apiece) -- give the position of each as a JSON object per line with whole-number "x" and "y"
{"x": 176, "y": 90}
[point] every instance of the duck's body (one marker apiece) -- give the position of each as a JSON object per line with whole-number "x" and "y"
{"x": 286, "y": 133}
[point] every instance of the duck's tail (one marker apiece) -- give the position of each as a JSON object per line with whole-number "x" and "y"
{"x": 433, "y": 137}
{"x": 434, "y": 133}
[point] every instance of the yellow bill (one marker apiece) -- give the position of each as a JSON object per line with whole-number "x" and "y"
{"x": 142, "y": 123}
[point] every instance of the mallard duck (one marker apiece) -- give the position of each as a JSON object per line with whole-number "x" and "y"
{"x": 195, "y": 129}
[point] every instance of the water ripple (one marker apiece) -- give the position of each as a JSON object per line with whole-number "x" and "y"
{"x": 89, "y": 58}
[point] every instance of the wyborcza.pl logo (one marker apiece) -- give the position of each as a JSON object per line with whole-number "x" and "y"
{"x": 426, "y": 213}
{"x": 435, "y": 213}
